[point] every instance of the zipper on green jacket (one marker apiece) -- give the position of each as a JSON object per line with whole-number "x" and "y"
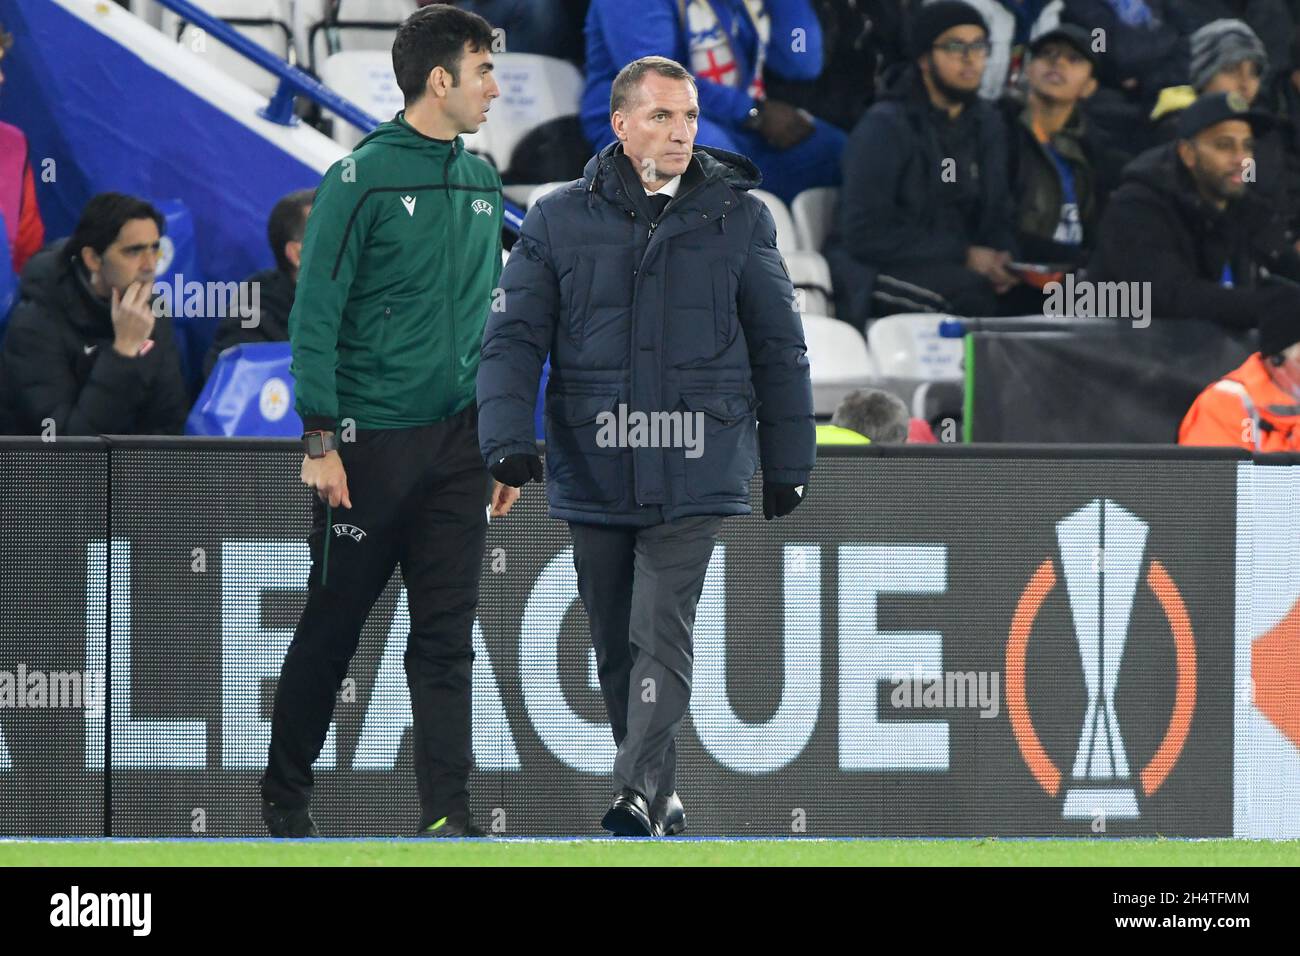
{"x": 450, "y": 287}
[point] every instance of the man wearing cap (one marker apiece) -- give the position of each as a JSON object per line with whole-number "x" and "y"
{"x": 1256, "y": 406}
{"x": 1052, "y": 153}
{"x": 924, "y": 218}
{"x": 1186, "y": 221}
{"x": 1228, "y": 57}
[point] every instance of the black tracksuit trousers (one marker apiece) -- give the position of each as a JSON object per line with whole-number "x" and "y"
{"x": 419, "y": 499}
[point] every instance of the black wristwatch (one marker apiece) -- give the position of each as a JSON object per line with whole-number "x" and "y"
{"x": 319, "y": 443}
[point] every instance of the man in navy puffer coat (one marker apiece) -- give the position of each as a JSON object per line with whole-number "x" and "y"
{"x": 677, "y": 366}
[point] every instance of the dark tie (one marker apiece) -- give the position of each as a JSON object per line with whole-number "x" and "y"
{"x": 657, "y": 204}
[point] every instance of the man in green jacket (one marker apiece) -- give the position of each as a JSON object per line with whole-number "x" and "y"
{"x": 401, "y": 255}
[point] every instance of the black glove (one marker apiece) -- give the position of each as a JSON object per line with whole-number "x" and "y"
{"x": 780, "y": 500}
{"x": 517, "y": 470}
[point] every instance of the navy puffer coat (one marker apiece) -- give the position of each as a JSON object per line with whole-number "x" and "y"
{"x": 693, "y": 315}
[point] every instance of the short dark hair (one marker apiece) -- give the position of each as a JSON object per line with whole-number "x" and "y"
{"x": 880, "y": 415}
{"x": 104, "y": 217}
{"x": 629, "y": 78}
{"x": 435, "y": 36}
{"x": 288, "y": 222}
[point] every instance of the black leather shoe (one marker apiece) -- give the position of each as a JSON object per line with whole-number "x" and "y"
{"x": 290, "y": 822}
{"x": 668, "y": 816}
{"x": 628, "y": 815}
{"x": 452, "y": 828}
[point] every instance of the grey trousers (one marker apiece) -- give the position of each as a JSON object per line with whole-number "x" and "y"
{"x": 640, "y": 587}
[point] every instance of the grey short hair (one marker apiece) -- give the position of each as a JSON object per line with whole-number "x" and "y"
{"x": 629, "y": 78}
{"x": 879, "y": 415}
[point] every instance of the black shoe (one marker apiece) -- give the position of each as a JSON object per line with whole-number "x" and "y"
{"x": 290, "y": 822}
{"x": 628, "y": 815}
{"x": 452, "y": 828}
{"x": 668, "y": 815}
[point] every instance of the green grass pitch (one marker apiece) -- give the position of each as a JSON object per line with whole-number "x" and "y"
{"x": 686, "y": 852}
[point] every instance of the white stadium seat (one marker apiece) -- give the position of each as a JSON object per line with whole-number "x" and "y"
{"x": 540, "y": 191}
{"x": 265, "y": 22}
{"x": 366, "y": 78}
{"x": 811, "y": 275}
{"x": 534, "y": 90}
{"x": 325, "y": 39}
{"x": 910, "y": 347}
{"x": 839, "y": 361}
{"x": 785, "y": 236}
{"x": 813, "y": 211}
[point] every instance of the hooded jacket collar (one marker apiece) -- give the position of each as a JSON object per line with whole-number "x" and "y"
{"x": 1160, "y": 170}
{"x": 707, "y": 183}
{"x": 398, "y": 132}
{"x": 56, "y": 280}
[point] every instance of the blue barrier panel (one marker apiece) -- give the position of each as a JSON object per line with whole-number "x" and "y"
{"x": 249, "y": 393}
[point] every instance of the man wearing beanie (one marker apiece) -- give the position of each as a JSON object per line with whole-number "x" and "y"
{"x": 1186, "y": 221}
{"x": 924, "y": 218}
{"x": 1271, "y": 20}
{"x": 1256, "y": 406}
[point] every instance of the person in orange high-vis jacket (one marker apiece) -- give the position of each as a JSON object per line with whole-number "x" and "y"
{"x": 1256, "y": 406}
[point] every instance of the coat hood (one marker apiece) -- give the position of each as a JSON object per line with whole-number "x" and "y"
{"x": 398, "y": 132}
{"x": 54, "y": 280}
{"x": 1160, "y": 170}
{"x": 716, "y": 164}
{"x": 41, "y": 275}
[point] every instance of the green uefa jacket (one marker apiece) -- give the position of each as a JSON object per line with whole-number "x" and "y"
{"x": 401, "y": 255}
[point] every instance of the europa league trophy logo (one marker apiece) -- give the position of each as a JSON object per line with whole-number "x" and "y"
{"x": 1101, "y": 557}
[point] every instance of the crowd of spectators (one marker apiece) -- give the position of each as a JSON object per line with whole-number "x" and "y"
{"x": 981, "y": 149}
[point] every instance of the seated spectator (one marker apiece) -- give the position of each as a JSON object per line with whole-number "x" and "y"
{"x": 85, "y": 353}
{"x": 1050, "y": 158}
{"x": 1256, "y": 406}
{"x": 1269, "y": 19}
{"x": 1185, "y": 220}
{"x": 872, "y": 416}
{"x": 1011, "y": 25}
{"x": 726, "y": 44}
{"x": 866, "y": 415}
{"x": 18, "y": 208}
{"x": 1227, "y": 57}
{"x": 275, "y": 286}
{"x": 863, "y": 38}
{"x": 923, "y": 222}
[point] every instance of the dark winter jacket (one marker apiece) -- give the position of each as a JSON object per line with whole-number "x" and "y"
{"x": 1157, "y": 229}
{"x": 58, "y": 361}
{"x": 693, "y": 315}
{"x": 892, "y": 200}
{"x": 275, "y": 298}
{"x": 1036, "y": 184}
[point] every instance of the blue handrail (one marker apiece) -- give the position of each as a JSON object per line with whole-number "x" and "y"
{"x": 294, "y": 82}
